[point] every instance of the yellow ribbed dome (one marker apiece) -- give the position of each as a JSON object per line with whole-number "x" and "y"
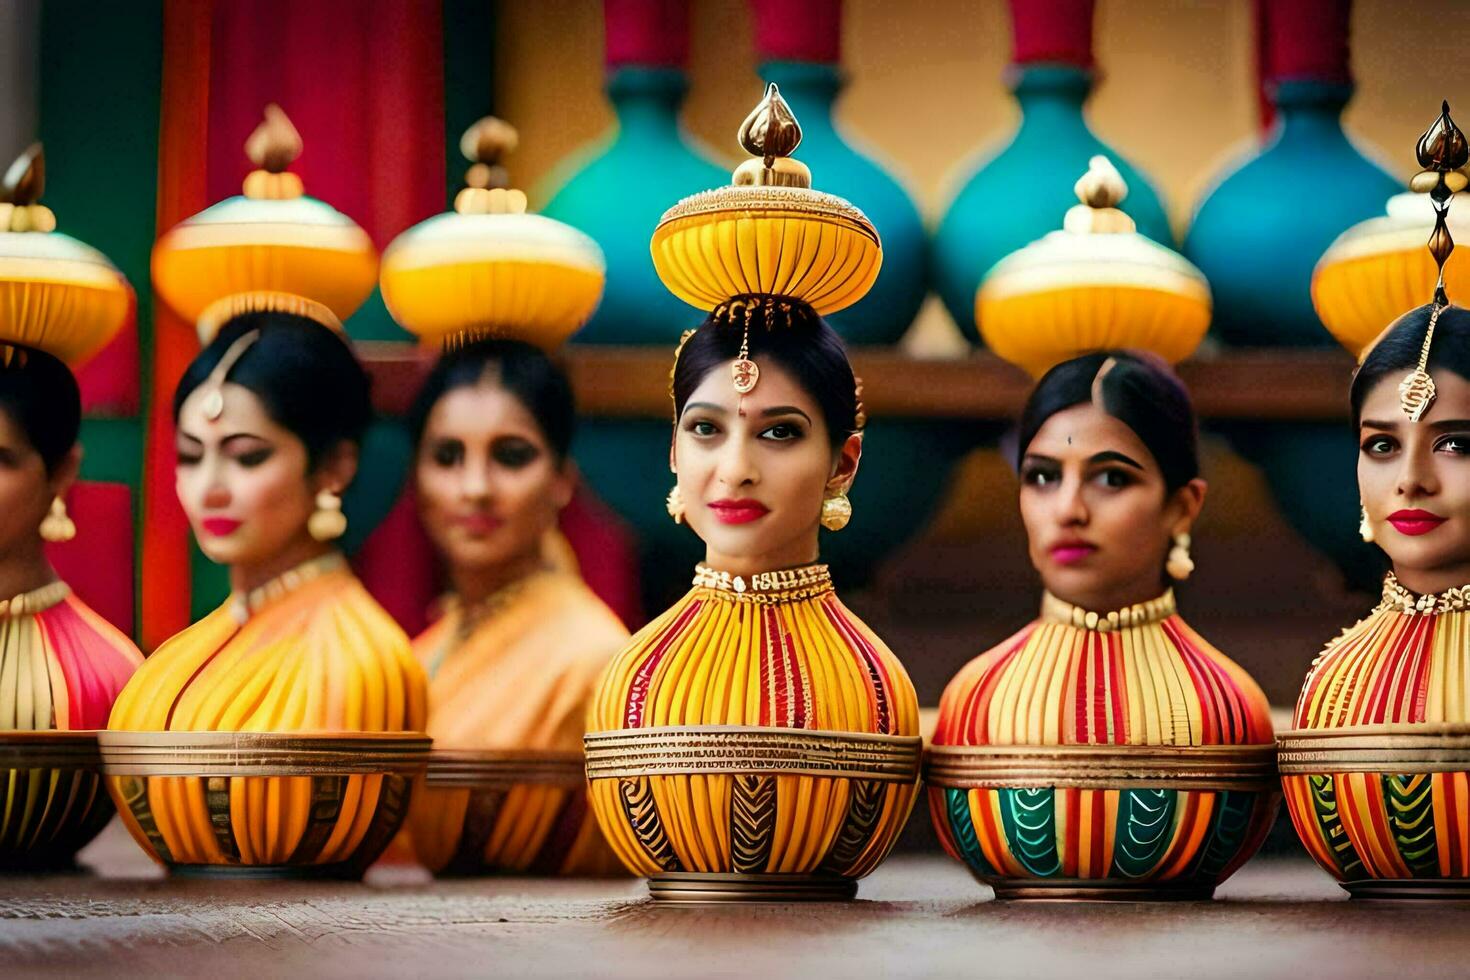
{"x": 56, "y": 294}
{"x": 1379, "y": 269}
{"x": 272, "y": 242}
{"x": 488, "y": 268}
{"x": 769, "y": 233}
{"x": 1096, "y": 284}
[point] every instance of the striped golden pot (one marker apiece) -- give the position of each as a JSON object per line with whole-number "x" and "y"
{"x": 54, "y": 803}
{"x": 263, "y": 804}
{"x": 1384, "y": 808}
{"x": 755, "y": 793}
{"x": 506, "y": 811}
{"x": 1102, "y": 822}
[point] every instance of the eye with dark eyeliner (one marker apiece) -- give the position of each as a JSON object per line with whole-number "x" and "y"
{"x": 446, "y": 452}
{"x": 702, "y": 428}
{"x": 9, "y": 458}
{"x": 1378, "y": 445}
{"x": 252, "y": 456}
{"x": 1456, "y": 444}
{"x": 1112, "y": 477}
{"x": 1040, "y": 474}
{"x": 514, "y": 452}
{"x": 187, "y": 455}
{"x": 788, "y": 431}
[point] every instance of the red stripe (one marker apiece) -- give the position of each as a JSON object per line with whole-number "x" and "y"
{"x": 1080, "y": 701}
{"x": 877, "y": 676}
{"x": 797, "y": 707}
{"x": 973, "y": 724}
{"x": 1097, "y": 697}
{"x": 769, "y": 682}
{"x": 638, "y": 690}
{"x": 1070, "y": 851}
{"x": 1115, "y": 689}
{"x": 1449, "y": 837}
{"x": 1219, "y": 721}
{"x": 1421, "y": 675}
{"x": 1099, "y": 814}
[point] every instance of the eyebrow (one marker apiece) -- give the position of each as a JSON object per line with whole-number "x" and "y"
{"x": 1448, "y": 424}
{"x": 785, "y": 410}
{"x": 706, "y": 406}
{"x": 1375, "y": 424}
{"x": 1113, "y": 456}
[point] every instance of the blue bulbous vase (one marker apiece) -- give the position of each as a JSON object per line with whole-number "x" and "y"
{"x": 619, "y": 195}
{"x": 1022, "y": 192}
{"x": 890, "y": 306}
{"x": 1257, "y": 237}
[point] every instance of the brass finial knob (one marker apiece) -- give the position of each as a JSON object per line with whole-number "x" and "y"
{"x": 21, "y": 189}
{"x": 487, "y": 187}
{"x": 275, "y": 144}
{"x": 1100, "y": 190}
{"x": 770, "y": 134}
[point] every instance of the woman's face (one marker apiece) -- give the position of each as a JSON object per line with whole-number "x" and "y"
{"x": 242, "y": 479}
{"x": 1414, "y": 478}
{"x": 1098, "y": 517}
{"x": 753, "y": 470}
{"x": 489, "y": 485}
{"x": 26, "y": 491}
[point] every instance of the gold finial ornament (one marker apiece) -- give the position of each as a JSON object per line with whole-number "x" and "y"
{"x": 1096, "y": 284}
{"x": 769, "y": 234}
{"x": 488, "y": 268}
{"x": 272, "y": 248}
{"x": 1443, "y": 153}
{"x": 58, "y": 294}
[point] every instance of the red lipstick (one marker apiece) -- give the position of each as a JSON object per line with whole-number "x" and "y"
{"x": 741, "y": 511}
{"x": 1414, "y": 522}
{"x": 1071, "y": 552}
{"x": 478, "y": 523}
{"x": 220, "y": 527}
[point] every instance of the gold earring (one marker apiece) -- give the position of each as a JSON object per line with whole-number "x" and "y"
{"x": 57, "y": 525}
{"x": 675, "y": 505}
{"x": 1365, "y": 529}
{"x": 327, "y": 522}
{"x": 836, "y": 512}
{"x": 1180, "y": 565}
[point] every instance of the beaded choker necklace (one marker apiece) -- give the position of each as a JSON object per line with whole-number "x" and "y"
{"x": 34, "y": 601}
{"x": 784, "y": 585}
{"x": 1395, "y": 596}
{"x": 242, "y": 607}
{"x": 1057, "y": 611}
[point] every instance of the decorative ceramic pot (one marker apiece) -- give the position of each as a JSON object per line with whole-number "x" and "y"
{"x": 54, "y": 800}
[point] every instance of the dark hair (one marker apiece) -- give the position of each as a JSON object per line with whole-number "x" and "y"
{"x": 1397, "y": 352}
{"x": 1139, "y": 390}
{"x": 788, "y": 332}
{"x": 518, "y": 368}
{"x": 302, "y": 372}
{"x": 40, "y": 395}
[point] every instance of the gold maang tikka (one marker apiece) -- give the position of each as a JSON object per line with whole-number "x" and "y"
{"x": 214, "y": 385}
{"x": 1443, "y": 153}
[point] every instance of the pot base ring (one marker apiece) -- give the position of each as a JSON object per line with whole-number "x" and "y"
{"x": 695, "y": 888}
{"x": 1082, "y": 890}
{"x": 1410, "y": 889}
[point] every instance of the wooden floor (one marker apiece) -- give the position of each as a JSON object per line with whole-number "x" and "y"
{"x": 916, "y": 916}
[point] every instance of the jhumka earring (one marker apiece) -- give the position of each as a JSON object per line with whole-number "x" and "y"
{"x": 1180, "y": 565}
{"x": 57, "y": 525}
{"x": 327, "y": 522}
{"x": 1365, "y": 529}
{"x": 675, "y": 505}
{"x": 836, "y": 512}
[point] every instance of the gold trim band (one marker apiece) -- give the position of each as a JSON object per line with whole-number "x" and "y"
{"x": 1237, "y": 767}
{"x": 771, "y": 201}
{"x": 48, "y": 749}
{"x": 1375, "y": 748}
{"x": 739, "y": 749}
{"x": 497, "y": 768}
{"x": 261, "y": 753}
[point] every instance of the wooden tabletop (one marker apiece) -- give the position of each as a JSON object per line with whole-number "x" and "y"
{"x": 918, "y": 915}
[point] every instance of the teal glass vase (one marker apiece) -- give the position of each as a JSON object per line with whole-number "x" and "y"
{"x": 1022, "y": 192}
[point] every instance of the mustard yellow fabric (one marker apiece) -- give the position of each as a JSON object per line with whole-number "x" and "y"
{"x": 520, "y": 679}
{"x": 719, "y": 657}
{"x": 324, "y": 657}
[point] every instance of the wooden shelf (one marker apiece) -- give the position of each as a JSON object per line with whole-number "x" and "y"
{"x": 633, "y": 382}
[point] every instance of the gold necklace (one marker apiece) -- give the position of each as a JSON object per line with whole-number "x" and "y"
{"x": 34, "y": 601}
{"x": 242, "y": 607}
{"x": 1396, "y": 597}
{"x": 781, "y": 585}
{"x": 1153, "y": 611}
